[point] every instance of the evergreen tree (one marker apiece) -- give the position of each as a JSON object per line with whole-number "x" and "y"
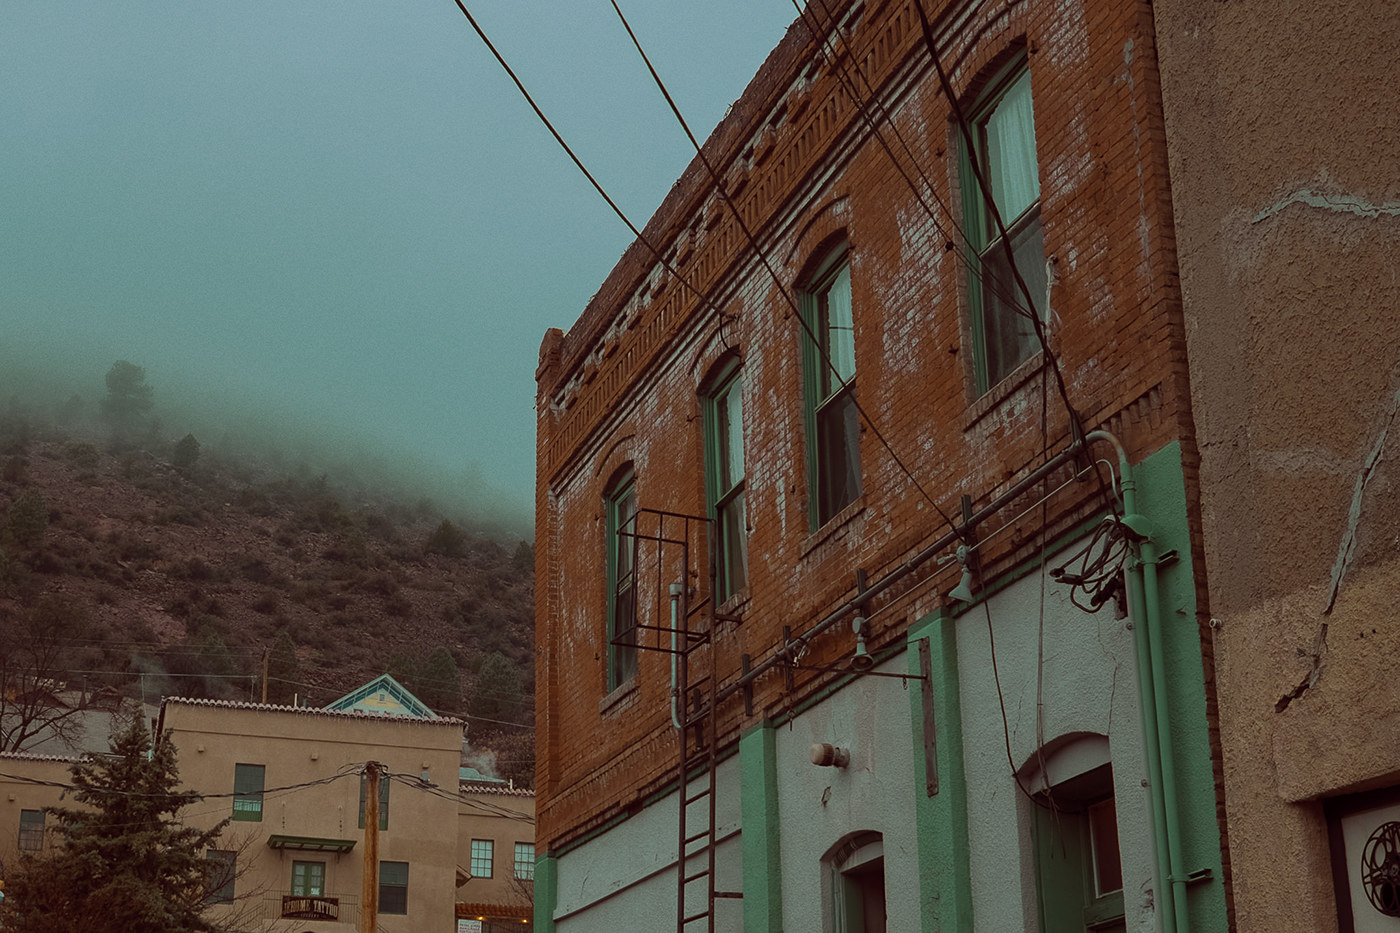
{"x": 283, "y": 669}
{"x": 128, "y": 396}
{"x": 440, "y": 681}
{"x": 124, "y": 863}
{"x": 186, "y": 452}
{"x": 497, "y": 693}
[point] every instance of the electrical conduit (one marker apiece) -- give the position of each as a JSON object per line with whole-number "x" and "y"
{"x": 1145, "y": 601}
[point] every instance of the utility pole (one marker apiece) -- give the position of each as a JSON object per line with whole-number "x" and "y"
{"x": 369, "y": 891}
{"x": 264, "y": 677}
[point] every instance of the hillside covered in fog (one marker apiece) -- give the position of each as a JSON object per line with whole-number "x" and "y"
{"x": 152, "y": 565}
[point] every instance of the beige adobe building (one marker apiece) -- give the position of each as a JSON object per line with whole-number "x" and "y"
{"x": 1284, "y": 142}
{"x": 24, "y": 826}
{"x": 455, "y": 848}
{"x": 292, "y": 780}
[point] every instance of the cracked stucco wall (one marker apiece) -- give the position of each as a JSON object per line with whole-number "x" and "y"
{"x": 1284, "y": 141}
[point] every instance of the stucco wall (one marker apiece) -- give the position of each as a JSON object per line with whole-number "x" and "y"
{"x": 1284, "y": 145}
{"x": 628, "y": 872}
{"x": 1087, "y": 685}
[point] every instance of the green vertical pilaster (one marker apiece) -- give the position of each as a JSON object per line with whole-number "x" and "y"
{"x": 546, "y": 892}
{"x": 1161, "y": 483}
{"x": 945, "y": 884}
{"x": 758, "y": 802}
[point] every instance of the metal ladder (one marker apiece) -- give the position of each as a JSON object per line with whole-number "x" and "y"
{"x": 697, "y": 709}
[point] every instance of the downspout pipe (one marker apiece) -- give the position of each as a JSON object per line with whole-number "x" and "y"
{"x": 1145, "y": 599}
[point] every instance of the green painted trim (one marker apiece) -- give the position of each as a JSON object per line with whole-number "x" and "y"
{"x": 762, "y": 853}
{"x": 945, "y": 880}
{"x": 1161, "y": 495}
{"x": 546, "y": 892}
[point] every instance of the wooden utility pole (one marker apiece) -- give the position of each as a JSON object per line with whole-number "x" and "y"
{"x": 369, "y": 891}
{"x": 264, "y": 677}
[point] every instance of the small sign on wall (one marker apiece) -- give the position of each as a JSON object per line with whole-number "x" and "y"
{"x": 468, "y": 926}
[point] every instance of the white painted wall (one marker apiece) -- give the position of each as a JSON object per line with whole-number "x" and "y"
{"x": 627, "y": 877}
{"x": 1087, "y": 684}
{"x": 819, "y": 806}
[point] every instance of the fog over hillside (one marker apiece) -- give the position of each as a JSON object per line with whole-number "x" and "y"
{"x": 299, "y": 435}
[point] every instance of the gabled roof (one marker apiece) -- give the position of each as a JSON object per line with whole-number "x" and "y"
{"x": 383, "y": 696}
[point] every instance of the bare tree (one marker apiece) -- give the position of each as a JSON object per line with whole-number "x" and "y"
{"x": 37, "y": 648}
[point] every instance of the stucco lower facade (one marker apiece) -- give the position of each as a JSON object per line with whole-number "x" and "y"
{"x": 1283, "y": 137}
{"x": 1031, "y": 719}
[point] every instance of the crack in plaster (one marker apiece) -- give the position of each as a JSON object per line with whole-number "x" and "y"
{"x": 1340, "y": 203}
{"x": 1318, "y": 657}
{"x": 1348, "y": 546}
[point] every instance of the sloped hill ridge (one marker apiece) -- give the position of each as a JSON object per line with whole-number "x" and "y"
{"x": 187, "y": 578}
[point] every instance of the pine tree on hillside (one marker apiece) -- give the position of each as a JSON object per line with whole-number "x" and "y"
{"x": 124, "y": 864}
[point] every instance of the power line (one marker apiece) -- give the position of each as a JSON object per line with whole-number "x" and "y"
{"x": 767, "y": 265}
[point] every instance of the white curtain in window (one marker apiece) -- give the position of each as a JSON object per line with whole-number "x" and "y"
{"x": 1011, "y": 160}
{"x": 841, "y": 333}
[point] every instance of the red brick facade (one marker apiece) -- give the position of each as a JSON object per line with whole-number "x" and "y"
{"x": 622, "y": 386}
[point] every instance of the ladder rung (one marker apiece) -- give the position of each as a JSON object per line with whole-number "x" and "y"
{"x": 693, "y": 917}
{"x": 699, "y": 874}
{"x": 700, "y": 835}
{"x": 698, "y": 795}
{"x": 729, "y": 894}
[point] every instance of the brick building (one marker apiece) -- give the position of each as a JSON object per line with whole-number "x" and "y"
{"x": 818, "y": 528}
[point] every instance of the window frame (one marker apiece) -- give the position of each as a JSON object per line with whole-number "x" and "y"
{"x": 483, "y": 851}
{"x": 315, "y": 872}
{"x": 622, "y": 657}
{"x": 221, "y": 885}
{"x": 525, "y": 867}
{"x": 1068, "y": 863}
{"x": 393, "y": 894}
{"x": 985, "y": 251}
{"x": 383, "y": 801}
{"x": 731, "y": 569}
{"x": 243, "y": 810}
{"x": 31, "y": 831}
{"x": 825, "y": 403}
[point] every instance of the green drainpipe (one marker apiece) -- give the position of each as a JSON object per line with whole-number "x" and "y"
{"x": 1152, "y": 679}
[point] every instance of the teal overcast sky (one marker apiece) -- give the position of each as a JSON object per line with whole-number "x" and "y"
{"x": 339, "y": 214}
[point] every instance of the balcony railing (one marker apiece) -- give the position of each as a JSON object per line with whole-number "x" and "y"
{"x": 306, "y": 907}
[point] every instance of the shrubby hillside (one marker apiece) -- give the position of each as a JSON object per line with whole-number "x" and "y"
{"x": 150, "y": 565}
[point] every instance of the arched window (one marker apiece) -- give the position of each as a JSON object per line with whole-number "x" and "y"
{"x": 621, "y": 544}
{"x": 724, "y": 477}
{"x": 1003, "y": 136}
{"x": 856, "y": 880}
{"x": 1078, "y": 867}
{"x": 829, "y": 368}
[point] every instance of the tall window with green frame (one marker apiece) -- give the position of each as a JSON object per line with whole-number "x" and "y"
{"x": 622, "y": 597}
{"x": 724, "y": 456}
{"x": 248, "y": 792}
{"x": 1003, "y": 131}
{"x": 829, "y": 367}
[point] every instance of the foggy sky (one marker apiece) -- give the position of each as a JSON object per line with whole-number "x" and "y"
{"x": 338, "y": 214}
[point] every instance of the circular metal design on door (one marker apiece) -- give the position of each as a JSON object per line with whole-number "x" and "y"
{"x": 1380, "y": 869}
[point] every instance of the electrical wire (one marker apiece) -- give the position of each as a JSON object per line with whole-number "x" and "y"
{"x": 777, "y": 280}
